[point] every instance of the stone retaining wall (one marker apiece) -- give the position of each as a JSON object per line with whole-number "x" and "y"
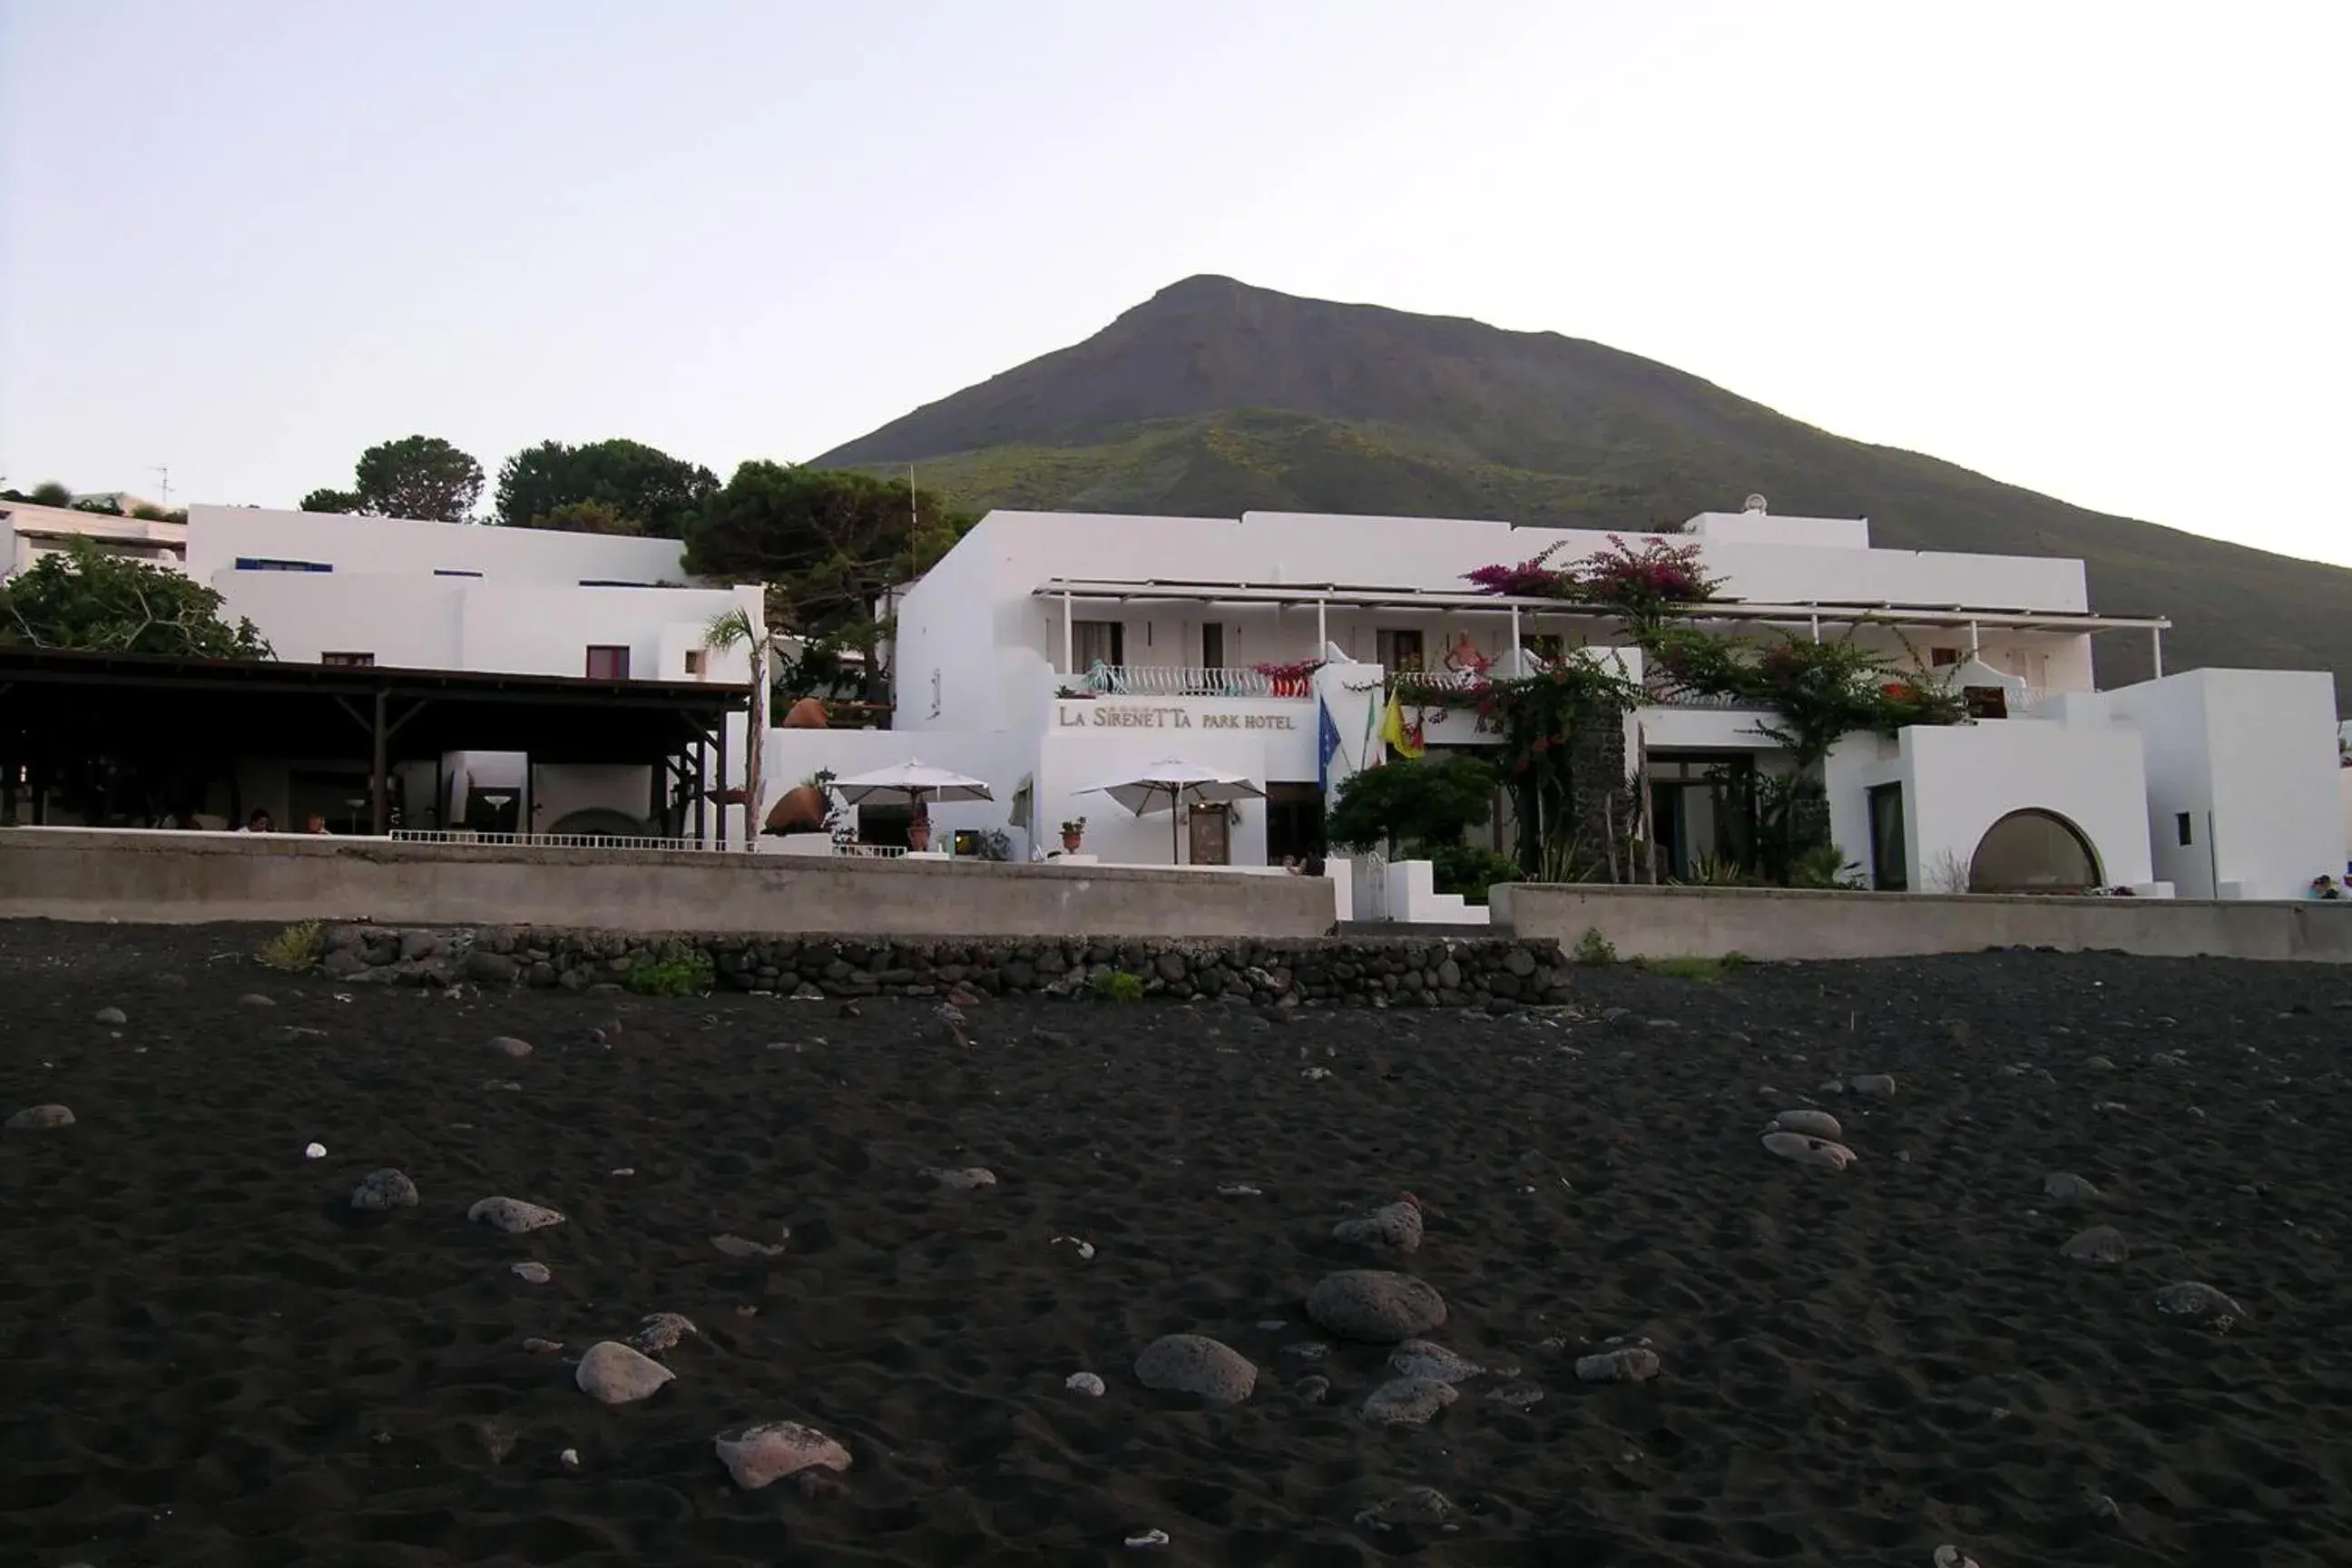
{"x": 1333, "y": 972}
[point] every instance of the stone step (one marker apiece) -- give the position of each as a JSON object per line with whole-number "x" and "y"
{"x": 1401, "y": 929}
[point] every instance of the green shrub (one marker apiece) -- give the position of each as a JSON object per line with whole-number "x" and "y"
{"x": 1118, "y": 985}
{"x": 1427, "y": 800}
{"x": 678, "y": 972}
{"x": 1704, "y": 971}
{"x": 295, "y": 949}
{"x": 1593, "y": 947}
{"x": 1468, "y": 870}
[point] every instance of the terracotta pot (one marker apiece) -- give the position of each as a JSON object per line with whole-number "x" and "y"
{"x": 1070, "y": 842}
{"x": 801, "y": 809}
{"x": 918, "y": 835}
{"x": 808, "y": 713}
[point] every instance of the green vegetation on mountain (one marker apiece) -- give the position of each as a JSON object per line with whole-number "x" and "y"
{"x": 1214, "y": 397}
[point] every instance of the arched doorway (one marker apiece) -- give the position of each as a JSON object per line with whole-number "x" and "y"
{"x": 2033, "y": 851}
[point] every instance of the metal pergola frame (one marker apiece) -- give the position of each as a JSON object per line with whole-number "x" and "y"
{"x": 1811, "y": 614}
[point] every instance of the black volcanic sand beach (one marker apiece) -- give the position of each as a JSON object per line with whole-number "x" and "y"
{"x": 207, "y": 1358}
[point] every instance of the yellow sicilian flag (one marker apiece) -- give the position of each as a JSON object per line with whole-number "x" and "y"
{"x": 1396, "y": 733}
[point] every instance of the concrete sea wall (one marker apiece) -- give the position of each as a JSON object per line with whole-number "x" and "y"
{"x": 1771, "y": 924}
{"x": 79, "y": 874}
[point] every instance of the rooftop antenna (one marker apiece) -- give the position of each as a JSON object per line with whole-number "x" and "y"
{"x": 164, "y": 470}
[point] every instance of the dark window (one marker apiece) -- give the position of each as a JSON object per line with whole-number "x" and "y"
{"x": 1213, "y": 645}
{"x": 1890, "y": 869}
{"x": 1941, "y": 657}
{"x": 2180, "y": 828}
{"x": 1548, "y": 646}
{"x": 608, "y": 663}
{"x": 1098, "y": 642}
{"x": 694, "y": 661}
{"x": 349, "y": 660}
{"x": 264, "y": 563}
{"x": 454, "y": 572}
{"x": 610, "y": 583}
{"x": 1398, "y": 649}
{"x": 1293, "y": 822}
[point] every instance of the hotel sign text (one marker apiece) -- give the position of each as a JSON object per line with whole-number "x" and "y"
{"x": 1137, "y": 716}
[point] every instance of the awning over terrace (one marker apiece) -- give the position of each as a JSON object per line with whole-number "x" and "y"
{"x": 1811, "y": 614}
{"x": 62, "y": 708}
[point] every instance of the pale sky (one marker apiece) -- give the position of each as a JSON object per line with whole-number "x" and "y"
{"x": 2099, "y": 250}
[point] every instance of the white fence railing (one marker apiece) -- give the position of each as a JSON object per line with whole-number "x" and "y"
{"x": 1190, "y": 680}
{"x": 554, "y": 840}
{"x": 1664, "y": 696}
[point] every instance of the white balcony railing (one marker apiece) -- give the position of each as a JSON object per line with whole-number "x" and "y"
{"x": 1192, "y": 681}
{"x": 1661, "y": 695}
{"x": 556, "y": 840}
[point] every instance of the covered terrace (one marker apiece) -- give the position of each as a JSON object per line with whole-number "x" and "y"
{"x": 1525, "y": 624}
{"x": 73, "y": 715}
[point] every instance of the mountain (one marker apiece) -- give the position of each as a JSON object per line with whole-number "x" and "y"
{"x": 1213, "y": 397}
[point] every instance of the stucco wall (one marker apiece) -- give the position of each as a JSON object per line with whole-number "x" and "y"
{"x": 174, "y": 879}
{"x": 1958, "y": 781}
{"x": 398, "y": 546}
{"x": 987, "y": 585}
{"x": 1772, "y": 923}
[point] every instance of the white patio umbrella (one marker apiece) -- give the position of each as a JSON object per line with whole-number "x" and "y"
{"x": 920, "y": 784}
{"x": 1168, "y": 783}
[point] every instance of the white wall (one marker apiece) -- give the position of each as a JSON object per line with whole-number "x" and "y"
{"x": 526, "y": 613}
{"x": 1959, "y": 781}
{"x": 27, "y": 533}
{"x": 2250, "y": 755}
{"x": 1072, "y": 761}
{"x": 1434, "y": 553}
{"x": 1767, "y": 528}
{"x": 218, "y": 535}
{"x": 989, "y": 581}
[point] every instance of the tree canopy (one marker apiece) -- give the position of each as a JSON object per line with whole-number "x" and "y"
{"x": 331, "y": 501}
{"x": 644, "y": 490}
{"x": 827, "y": 541}
{"x": 83, "y": 598}
{"x": 1429, "y": 801}
{"x": 416, "y": 476}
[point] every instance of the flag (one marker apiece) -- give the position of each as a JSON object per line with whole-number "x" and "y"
{"x": 1401, "y": 736}
{"x": 1327, "y": 745}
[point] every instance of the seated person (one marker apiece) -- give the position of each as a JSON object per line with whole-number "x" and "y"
{"x": 258, "y": 823}
{"x": 2324, "y": 887}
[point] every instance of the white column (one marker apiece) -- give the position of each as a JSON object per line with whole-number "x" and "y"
{"x": 2156, "y": 646}
{"x": 1817, "y": 626}
{"x": 1322, "y": 631}
{"x": 1976, "y": 646}
{"x": 1069, "y": 638}
{"x": 1519, "y": 660}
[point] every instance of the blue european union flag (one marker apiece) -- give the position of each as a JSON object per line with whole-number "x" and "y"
{"x": 1327, "y": 747}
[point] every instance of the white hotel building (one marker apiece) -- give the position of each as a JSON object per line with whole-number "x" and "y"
{"x": 1049, "y": 652}
{"x": 391, "y": 591}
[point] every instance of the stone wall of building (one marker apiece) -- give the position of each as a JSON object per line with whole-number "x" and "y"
{"x": 1600, "y": 801}
{"x": 1397, "y": 972}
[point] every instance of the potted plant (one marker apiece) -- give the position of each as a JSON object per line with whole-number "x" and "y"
{"x": 806, "y": 807}
{"x": 1074, "y": 833}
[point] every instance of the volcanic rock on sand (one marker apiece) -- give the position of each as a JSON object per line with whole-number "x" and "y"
{"x": 1376, "y": 1306}
{"x": 768, "y": 1452}
{"x": 1194, "y": 1364}
{"x": 616, "y": 1375}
